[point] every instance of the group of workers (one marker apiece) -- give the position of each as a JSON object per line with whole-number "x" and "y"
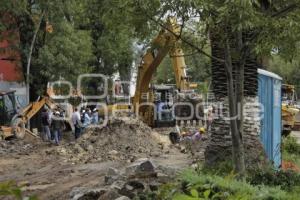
{"x": 178, "y": 136}
{"x": 83, "y": 119}
{"x": 53, "y": 123}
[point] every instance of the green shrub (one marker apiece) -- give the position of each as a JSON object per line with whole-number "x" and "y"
{"x": 291, "y": 146}
{"x": 196, "y": 186}
{"x": 287, "y": 180}
{"x": 10, "y": 189}
{"x": 222, "y": 169}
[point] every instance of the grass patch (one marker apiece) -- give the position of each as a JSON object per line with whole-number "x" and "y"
{"x": 195, "y": 186}
{"x": 291, "y": 150}
{"x": 10, "y": 189}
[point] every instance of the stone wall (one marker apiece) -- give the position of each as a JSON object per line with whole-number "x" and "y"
{"x": 219, "y": 146}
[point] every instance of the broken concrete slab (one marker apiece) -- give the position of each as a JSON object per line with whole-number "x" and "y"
{"x": 82, "y": 193}
{"x": 141, "y": 168}
{"x": 110, "y": 194}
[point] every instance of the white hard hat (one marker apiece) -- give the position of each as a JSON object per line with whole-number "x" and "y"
{"x": 95, "y": 109}
{"x": 57, "y": 113}
{"x": 83, "y": 111}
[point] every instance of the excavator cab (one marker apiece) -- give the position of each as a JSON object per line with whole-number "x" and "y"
{"x": 164, "y": 96}
{"x": 8, "y": 107}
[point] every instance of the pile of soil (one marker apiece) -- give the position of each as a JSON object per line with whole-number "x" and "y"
{"x": 123, "y": 139}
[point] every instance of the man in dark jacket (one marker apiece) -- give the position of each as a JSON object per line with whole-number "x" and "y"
{"x": 46, "y": 135}
{"x": 57, "y": 126}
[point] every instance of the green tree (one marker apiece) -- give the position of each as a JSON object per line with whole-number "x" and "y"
{"x": 239, "y": 32}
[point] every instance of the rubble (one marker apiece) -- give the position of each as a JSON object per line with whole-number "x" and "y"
{"x": 124, "y": 139}
{"x": 86, "y": 194}
{"x": 136, "y": 179}
{"x": 142, "y": 167}
{"x": 111, "y": 176}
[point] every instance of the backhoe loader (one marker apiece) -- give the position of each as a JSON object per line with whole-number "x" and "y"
{"x": 14, "y": 119}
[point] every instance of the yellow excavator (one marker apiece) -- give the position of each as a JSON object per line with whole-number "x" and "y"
{"x": 147, "y": 98}
{"x": 13, "y": 119}
{"x": 289, "y": 109}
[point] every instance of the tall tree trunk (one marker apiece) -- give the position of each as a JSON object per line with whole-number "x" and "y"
{"x": 240, "y": 80}
{"x": 125, "y": 75}
{"x": 30, "y": 55}
{"x": 237, "y": 142}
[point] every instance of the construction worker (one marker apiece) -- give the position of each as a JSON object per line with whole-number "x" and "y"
{"x": 178, "y": 135}
{"x": 57, "y": 126}
{"x": 76, "y": 120}
{"x": 95, "y": 117}
{"x": 87, "y": 118}
{"x": 46, "y": 134}
{"x": 175, "y": 136}
{"x": 198, "y": 135}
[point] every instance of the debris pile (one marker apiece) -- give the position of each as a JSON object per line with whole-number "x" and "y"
{"x": 135, "y": 180}
{"x": 123, "y": 139}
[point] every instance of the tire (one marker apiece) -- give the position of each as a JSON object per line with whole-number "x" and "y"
{"x": 18, "y": 128}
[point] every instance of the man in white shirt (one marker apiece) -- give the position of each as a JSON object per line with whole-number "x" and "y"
{"x": 77, "y": 123}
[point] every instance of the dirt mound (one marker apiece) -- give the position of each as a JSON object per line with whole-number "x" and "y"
{"x": 124, "y": 139}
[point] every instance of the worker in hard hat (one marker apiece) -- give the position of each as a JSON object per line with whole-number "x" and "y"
{"x": 46, "y": 121}
{"x": 95, "y": 117}
{"x": 202, "y": 130}
{"x": 199, "y": 134}
{"x": 195, "y": 136}
{"x": 57, "y": 126}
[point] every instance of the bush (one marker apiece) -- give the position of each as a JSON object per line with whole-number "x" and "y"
{"x": 221, "y": 169}
{"x": 291, "y": 146}
{"x": 287, "y": 180}
{"x": 196, "y": 186}
{"x": 10, "y": 189}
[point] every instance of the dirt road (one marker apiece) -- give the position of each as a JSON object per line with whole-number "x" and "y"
{"x": 50, "y": 176}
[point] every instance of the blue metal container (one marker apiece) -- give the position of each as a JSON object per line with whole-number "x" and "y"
{"x": 269, "y": 93}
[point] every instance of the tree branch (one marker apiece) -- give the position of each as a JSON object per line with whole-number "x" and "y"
{"x": 286, "y": 10}
{"x": 185, "y": 40}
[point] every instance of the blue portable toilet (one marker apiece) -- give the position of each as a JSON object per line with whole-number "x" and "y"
{"x": 269, "y": 93}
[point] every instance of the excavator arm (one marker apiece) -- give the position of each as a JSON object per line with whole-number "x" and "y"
{"x": 165, "y": 43}
{"x": 33, "y": 108}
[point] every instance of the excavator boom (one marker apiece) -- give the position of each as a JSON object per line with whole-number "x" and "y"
{"x": 167, "y": 42}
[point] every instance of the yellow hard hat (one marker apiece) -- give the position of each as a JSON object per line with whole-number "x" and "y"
{"x": 202, "y": 130}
